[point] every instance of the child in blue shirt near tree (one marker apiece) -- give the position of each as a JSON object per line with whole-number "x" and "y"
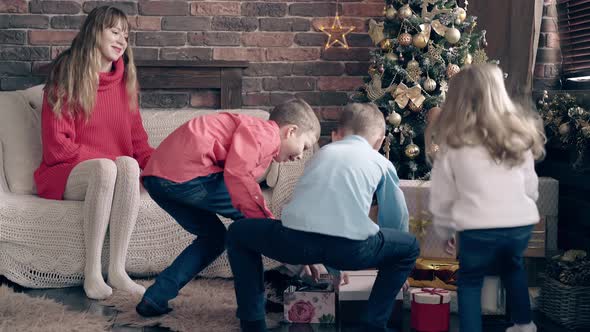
{"x": 327, "y": 222}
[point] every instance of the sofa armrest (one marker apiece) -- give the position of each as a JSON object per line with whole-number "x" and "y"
{"x": 287, "y": 175}
{"x": 3, "y": 183}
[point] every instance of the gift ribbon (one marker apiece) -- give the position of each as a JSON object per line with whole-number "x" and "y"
{"x": 418, "y": 226}
{"x": 403, "y": 95}
{"x": 432, "y": 291}
{"x": 421, "y": 220}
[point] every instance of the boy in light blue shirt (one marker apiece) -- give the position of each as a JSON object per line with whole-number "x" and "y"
{"x": 327, "y": 222}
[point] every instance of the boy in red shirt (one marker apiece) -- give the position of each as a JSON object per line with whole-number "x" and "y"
{"x": 209, "y": 166}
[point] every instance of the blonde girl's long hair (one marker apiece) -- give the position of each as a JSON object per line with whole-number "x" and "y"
{"x": 479, "y": 111}
{"x": 73, "y": 80}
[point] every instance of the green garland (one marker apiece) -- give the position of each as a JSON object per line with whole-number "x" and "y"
{"x": 567, "y": 126}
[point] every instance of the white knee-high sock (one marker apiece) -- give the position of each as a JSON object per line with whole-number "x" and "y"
{"x": 94, "y": 180}
{"x": 122, "y": 221}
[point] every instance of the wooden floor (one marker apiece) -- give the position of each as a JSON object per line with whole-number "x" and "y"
{"x": 75, "y": 299}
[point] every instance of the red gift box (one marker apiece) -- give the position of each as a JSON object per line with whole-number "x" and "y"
{"x": 430, "y": 310}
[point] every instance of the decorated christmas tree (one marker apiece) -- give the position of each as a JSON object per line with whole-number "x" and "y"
{"x": 420, "y": 44}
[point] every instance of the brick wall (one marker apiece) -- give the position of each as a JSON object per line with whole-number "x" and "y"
{"x": 548, "y": 62}
{"x": 279, "y": 37}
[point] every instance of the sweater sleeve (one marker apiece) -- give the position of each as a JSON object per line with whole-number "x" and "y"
{"x": 242, "y": 158}
{"x": 142, "y": 151}
{"x": 443, "y": 193}
{"x": 531, "y": 180}
{"x": 393, "y": 211}
{"x": 58, "y": 134}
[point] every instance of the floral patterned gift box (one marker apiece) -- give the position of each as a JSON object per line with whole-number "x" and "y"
{"x": 309, "y": 305}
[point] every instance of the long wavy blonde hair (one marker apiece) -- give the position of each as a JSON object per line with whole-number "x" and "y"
{"x": 74, "y": 77}
{"x": 478, "y": 111}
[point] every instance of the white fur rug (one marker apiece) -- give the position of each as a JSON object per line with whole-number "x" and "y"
{"x": 20, "y": 312}
{"x": 203, "y": 305}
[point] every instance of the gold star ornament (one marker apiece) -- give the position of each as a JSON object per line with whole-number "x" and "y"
{"x": 336, "y": 33}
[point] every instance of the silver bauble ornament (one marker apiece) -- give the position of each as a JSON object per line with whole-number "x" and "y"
{"x": 453, "y": 35}
{"x": 460, "y": 14}
{"x": 429, "y": 84}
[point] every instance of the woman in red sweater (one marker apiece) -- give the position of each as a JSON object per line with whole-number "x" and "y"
{"x": 94, "y": 143}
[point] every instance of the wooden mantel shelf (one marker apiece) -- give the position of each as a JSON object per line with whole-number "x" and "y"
{"x": 192, "y": 74}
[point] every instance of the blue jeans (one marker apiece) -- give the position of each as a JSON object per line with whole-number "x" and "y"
{"x": 491, "y": 252}
{"x": 194, "y": 205}
{"x": 393, "y": 252}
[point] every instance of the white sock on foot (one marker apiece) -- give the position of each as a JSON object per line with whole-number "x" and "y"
{"x": 96, "y": 288}
{"x": 121, "y": 281}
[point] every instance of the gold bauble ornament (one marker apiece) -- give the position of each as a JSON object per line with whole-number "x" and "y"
{"x": 394, "y": 119}
{"x": 414, "y": 108}
{"x": 564, "y": 129}
{"x": 405, "y": 12}
{"x": 412, "y": 151}
{"x": 460, "y": 14}
{"x": 452, "y": 70}
{"x": 392, "y": 57}
{"x": 457, "y": 22}
{"x": 404, "y": 39}
{"x": 453, "y": 35}
{"x": 385, "y": 44}
{"x": 390, "y": 13}
{"x": 420, "y": 40}
{"x": 468, "y": 59}
{"x": 429, "y": 84}
{"x": 413, "y": 63}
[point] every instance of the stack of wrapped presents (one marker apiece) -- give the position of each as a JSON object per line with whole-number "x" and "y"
{"x": 432, "y": 295}
{"x": 434, "y": 279}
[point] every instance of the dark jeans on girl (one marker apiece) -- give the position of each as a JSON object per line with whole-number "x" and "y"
{"x": 491, "y": 252}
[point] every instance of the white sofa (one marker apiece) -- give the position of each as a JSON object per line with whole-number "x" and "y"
{"x": 41, "y": 241}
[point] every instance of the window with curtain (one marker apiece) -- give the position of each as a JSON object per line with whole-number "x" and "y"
{"x": 574, "y": 31}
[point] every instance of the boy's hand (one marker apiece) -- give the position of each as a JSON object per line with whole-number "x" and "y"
{"x": 313, "y": 271}
{"x": 451, "y": 246}
{"x": 341, "y": 280}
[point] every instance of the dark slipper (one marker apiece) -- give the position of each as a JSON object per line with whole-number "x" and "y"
{"x": 147, "y": 308}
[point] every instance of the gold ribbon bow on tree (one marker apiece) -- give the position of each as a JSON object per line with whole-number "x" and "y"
{"x": 439, "y": 28}
{"x": 403, "y": 95}
{"x": 376, "y": 31}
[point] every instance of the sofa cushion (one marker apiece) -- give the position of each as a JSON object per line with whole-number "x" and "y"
{"x": 20, "y": 134}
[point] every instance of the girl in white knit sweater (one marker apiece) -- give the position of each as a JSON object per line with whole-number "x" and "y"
{"x": 484, "y": 187}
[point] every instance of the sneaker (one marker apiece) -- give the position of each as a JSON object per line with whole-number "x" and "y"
{"x": 147, "y": 308}
{"x": 530, "y": 327}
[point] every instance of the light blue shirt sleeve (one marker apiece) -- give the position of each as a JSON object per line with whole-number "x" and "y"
{"x": 393, "y": 211}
